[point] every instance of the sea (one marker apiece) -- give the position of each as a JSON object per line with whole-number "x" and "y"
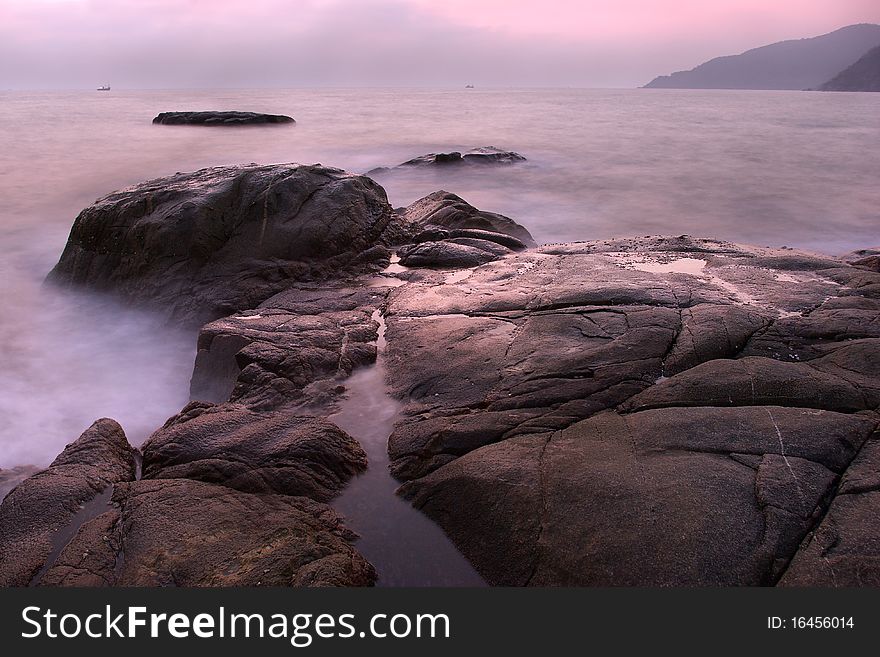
{"x": 771, "y": 168}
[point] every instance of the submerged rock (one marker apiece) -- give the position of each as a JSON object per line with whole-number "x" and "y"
{"x": 483, "y": 155}
{"x": 212, "y": 118}
{"x": 199, "y": 245}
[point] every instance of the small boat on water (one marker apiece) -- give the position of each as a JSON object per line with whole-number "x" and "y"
{"x": 468, "y": 86}
{"x": 104, "y": 87}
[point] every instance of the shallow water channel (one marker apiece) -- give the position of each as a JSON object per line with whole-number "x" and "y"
{"x": 404, "y": 545}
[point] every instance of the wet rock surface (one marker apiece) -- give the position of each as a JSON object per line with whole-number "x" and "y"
{"x": 212, "y": 118}
{"x": 662, "y": 411}
{"x": 444, "y": 210}
{"x": 254, "y": 452}
{"x": 451, "y": 254}
{"x": 205, "y": 514}
{"x": 232, "y": 492}
{"x": 177, "y": 532}
{"x": 293, "y": 351}
{"x": 42, "y": 506}
{"x": 197, "y": 246}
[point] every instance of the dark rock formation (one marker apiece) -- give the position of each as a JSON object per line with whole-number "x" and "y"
{"x": 85, "y": 522}
{"x": 35, "y": 515}
{"x": 448, "y": 211}
{"x": 661, "y": 498}
{"x": 451, "y": 254}
{"x": 655, "y": 411}
{"x": 200, "y": 245}
{"x": 295, "y": 350}
{"x": 484, "y": 155}
{"x": 254, "y": 452}
{"x": 220, "y": 118}
{"x": 865, "y": 259}
{"x": 470, "y": 236}
{"x": 871, "y": 263}
{"x": 585, "y": 415}
{"x": 176, "y": 532}
{"x": 447, "y": 233}
{"x": 231, "y": 493}
{"x": 864, "y": 75}
{"x": 795, "y": 64}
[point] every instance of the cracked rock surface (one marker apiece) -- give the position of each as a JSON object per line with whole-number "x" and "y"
{"x": 660, "y": 412}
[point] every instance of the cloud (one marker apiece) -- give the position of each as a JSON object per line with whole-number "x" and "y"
{"x": 217, "y": 43}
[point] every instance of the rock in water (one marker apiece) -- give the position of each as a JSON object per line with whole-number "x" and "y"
{"x": 220, "y": 118}
{"x": 442, "y": 209}
{"x": 201, "y": 245}
{"x": 483, "y": 155}
{"x": 40, "y": 508}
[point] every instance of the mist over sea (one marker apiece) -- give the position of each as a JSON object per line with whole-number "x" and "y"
{"x": 769, "y": 168}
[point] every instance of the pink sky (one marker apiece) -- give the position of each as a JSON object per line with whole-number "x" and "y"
{"x": 72, "y": 43}
{"x": 614, "y": 19}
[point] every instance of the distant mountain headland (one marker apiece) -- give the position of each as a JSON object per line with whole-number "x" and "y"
{"x": 864, "y": 75}
{"x": 795, "y": 64}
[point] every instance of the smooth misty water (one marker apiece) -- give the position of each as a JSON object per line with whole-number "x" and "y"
{"x": 763, "y": 167}
{"x": 406, "y": 547}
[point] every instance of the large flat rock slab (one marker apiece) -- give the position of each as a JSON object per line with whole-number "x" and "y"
{"x": 690, "y": 497}
{"x": 656, "y": 411}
